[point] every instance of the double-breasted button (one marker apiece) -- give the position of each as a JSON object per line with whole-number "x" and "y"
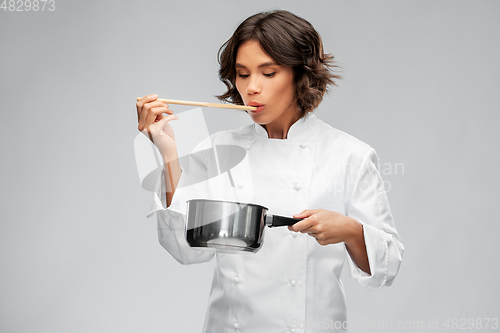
{"x": 293, "y": 283}
{"x": 303, "y": 145}
{"x": 247, "y": 147}
{"x": 236, "y": 325}
{"x": 239, "y": 185}
{"x": 236, "y": 279}
{"x": 293, "y": 330}
{"x": 297, "y": 187}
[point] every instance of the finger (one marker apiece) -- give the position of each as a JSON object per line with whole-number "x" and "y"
{"x": 146, "y": 118}
{"x": 155, "y": 115}
{"x": 319, "y": 238}
{"x": 159, "y": 111}
{"x": 306, "y": 213}
{"x": 314, "y": 235}
{"x": 165, "y": 120}
{"x": 144, "y": 110}
{"x": 166, "y": 112}
{"x": 302, "y": 225}
{"x": 312, "y": 230}
{"x": 144, "y": 100}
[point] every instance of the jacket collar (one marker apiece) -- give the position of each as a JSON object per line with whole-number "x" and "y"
{"x": 300, "y": 130}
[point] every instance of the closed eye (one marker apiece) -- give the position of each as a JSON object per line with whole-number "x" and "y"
{"x": 270, "y": 74}
{"x": 243, "y": 75}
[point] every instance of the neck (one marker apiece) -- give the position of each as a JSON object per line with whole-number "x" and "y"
{"x": 278, "y": 129}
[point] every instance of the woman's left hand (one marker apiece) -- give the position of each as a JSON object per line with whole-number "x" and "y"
{"x": 326, "y": 226}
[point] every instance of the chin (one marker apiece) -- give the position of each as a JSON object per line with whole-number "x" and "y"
{"x": 258, "y": 119}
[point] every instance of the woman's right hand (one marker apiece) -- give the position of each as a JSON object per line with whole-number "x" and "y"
{"x": 155, "y": 125}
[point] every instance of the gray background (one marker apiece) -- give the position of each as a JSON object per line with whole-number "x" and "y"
{"x": 76, "y": 251}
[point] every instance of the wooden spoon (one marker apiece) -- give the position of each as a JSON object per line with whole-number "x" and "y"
{"x": 208, "y": 105}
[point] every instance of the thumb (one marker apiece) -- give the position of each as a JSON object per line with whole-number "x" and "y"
{"x": 166, "y": 119}
{"x": 306, "y": 213}
{"x": 303, "y": 214}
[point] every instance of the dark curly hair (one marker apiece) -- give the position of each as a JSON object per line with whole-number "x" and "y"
{"x": 290, "y": 41}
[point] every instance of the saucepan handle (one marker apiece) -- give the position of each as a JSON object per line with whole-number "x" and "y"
{"x": 280, "y": 221}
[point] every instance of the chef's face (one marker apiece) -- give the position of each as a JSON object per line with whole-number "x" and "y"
{"x": 262, "y": 82}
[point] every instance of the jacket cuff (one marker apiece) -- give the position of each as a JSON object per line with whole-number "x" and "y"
{"x": 378, "y": 258}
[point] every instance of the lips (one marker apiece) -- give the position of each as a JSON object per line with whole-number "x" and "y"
{"x": 258, "y": 105}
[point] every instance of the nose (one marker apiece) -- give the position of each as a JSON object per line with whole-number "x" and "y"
{"x": 253, "y": 86}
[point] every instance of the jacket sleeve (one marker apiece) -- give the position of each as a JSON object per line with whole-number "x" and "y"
{"x": 172, "y": 220}
{"x": 369, "y": 205}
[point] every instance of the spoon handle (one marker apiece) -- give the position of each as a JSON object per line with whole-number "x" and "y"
{"x": 204, "y": 104}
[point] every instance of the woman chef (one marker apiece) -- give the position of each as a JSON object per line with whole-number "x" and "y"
{"x": 297, "y": 165}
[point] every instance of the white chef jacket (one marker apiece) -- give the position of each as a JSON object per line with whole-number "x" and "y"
{"x": 292, "y": 284}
